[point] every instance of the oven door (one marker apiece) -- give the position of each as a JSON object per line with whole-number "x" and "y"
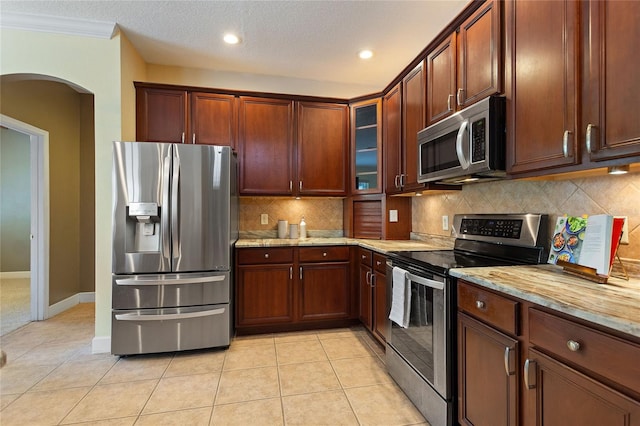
{"x": 443, "y": 150}
{"x": 424, "y": 343}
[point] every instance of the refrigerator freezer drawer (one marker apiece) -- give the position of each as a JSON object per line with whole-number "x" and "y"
{"x": 170, "y": 290}
{"x": 144, "y": 331}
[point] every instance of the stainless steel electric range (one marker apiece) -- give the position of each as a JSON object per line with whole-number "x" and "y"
{"x": 421, "y": 352}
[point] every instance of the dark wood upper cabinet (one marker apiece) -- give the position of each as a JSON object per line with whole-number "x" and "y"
{"x": 266, "y": 146}
{"x": 161, "y": 115}
{"x": 612, "y": 116}
{"x": 441, "y": 75}
{"x": 480, "y": 55}
{"x": 213, "y": 119}
{"x": 541, "y": 67}
{"x": 322, "y": 149}
{"x": 413, "y": 120}
{"x": 274, "y": 162}
{"x": 392, "y": 139}
{"x": 467, "y": 66}
{"x": 180, "y": 116}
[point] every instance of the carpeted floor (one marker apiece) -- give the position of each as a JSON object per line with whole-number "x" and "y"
{"x": 15, "y": 304}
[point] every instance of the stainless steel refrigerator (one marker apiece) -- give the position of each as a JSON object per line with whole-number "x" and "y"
{"x": 175, "y": 221}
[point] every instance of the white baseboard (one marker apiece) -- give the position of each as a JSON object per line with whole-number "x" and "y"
{"x": 101, "y": 345}
{"x": 70, "y": 302}
{"x": 15, "y": 275}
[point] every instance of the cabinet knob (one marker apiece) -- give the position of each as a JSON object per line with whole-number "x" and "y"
{"x": 573, "y": 345}
{"x": 364, "y": 256}
{"x": 480, "y": 304}
{"x": 378, "y": 263}
{"x": 266, "y": 255}
{"x": 324, "y": 254}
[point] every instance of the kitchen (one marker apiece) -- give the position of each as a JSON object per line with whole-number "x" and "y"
{"x": 552, "y": 197}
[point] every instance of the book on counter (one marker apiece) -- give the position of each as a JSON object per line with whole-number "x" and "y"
{"x": 590, "y": 241}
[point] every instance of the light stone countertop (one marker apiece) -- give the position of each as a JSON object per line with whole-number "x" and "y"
{"x": 615, "y": 305}
{"x": 381, "y": 246}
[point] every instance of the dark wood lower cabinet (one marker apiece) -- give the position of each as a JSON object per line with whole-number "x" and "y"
{"x": 289, "y": 288}
{"x": 264, "y": 294}
{"x": 549, "y": 368}
{"x": 487, "y": 391}
{"x": 560, "y": 395}
{"x": 324, "y": 291}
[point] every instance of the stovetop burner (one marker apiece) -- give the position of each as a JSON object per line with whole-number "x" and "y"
{"x": 442, "y": 260}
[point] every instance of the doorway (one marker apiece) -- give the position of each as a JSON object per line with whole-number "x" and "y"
{"x": 38, "y": 140}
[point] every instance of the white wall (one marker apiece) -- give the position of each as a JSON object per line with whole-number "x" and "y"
{"x": 94, "y": 65}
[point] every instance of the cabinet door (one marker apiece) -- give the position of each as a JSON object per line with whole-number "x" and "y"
{"x": 441, "y": 75}
{"x": 413, "y": 116}
{"x": 213, "y": 119}
{"x": 365, "y": 296}
{"x": 323, "y": 148}
{"x": 264, "y": 294}
{"x": 541, "y": 58}
{"x": 324, "y": 291}
{"x": 366, "y": 147}
{"x": 565, "y": 396}
{"x": 161, "y": 115}
{"x": 479, "y": 53}
{"x": 613, "y": 88}
{"x": 265, "y": 146}
{"x": 381, "y": 313}
{"x": 392, "y": 139}
{"x": 487, "y": 383}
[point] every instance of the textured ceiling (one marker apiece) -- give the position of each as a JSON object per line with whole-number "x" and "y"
{"x": 309, "y": 40}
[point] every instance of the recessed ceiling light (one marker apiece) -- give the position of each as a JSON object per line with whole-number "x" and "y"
{"x": 365, "y": 54}
{"x": 231, "y": 38}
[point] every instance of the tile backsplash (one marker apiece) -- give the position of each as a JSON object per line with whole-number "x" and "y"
{"x": 615, "y": 195}
{"x": 322, "y": 215}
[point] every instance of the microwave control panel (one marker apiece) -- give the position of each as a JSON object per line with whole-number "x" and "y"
{"x": 478, "y": 138}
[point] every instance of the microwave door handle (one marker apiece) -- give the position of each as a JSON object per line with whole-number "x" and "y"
{"x": 460, "y": 146}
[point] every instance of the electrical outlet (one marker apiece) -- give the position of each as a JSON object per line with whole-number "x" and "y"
{"x": 393, "y": 215}
{"x": 264, "y": 219}
{"x": 445, "y": 223}
{"x": 625, "y": 231}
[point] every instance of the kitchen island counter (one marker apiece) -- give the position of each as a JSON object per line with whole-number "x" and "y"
{"x": 615, "y": 305}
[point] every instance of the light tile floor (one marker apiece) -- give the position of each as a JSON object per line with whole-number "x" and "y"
{"x": 331, "y": 377}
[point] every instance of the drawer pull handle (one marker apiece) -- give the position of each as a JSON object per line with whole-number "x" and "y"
{"x": 266, "y": 255}
{"x": 573, "y": 345}
{"x": 480, "y": 304}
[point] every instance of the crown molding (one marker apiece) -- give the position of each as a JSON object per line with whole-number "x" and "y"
{"x": 58, "y": 24}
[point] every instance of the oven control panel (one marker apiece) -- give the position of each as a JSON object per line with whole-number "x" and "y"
{"x": 514, "y": 229}
{"x": 503, "y": 228}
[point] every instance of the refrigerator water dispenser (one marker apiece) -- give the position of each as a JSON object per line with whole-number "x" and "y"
{"x": 143, "y": 227}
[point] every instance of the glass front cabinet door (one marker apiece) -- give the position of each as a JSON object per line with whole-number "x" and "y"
{"x": 366, "y": 150}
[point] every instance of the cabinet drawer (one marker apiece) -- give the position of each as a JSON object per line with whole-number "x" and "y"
{"x": 603, "y": 354}
{"x": 252, "y": 256}
{"x": 324, "y": 254}
{"x": 379, "y": 263}
{"x": 365, "y": 256}
{"x": 495, "y": 310}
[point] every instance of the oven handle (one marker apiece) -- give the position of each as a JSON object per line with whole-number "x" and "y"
{"x": 438, "y": 285}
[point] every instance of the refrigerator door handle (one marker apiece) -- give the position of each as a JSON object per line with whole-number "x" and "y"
{"x": 156, "y": 317}
{"x": 166, "y": 233}
{"x": 170, "y": 281}
{"x": 175, "y": 231}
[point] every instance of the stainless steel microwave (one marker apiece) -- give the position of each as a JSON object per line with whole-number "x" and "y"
{"x": 466, "y": 146}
